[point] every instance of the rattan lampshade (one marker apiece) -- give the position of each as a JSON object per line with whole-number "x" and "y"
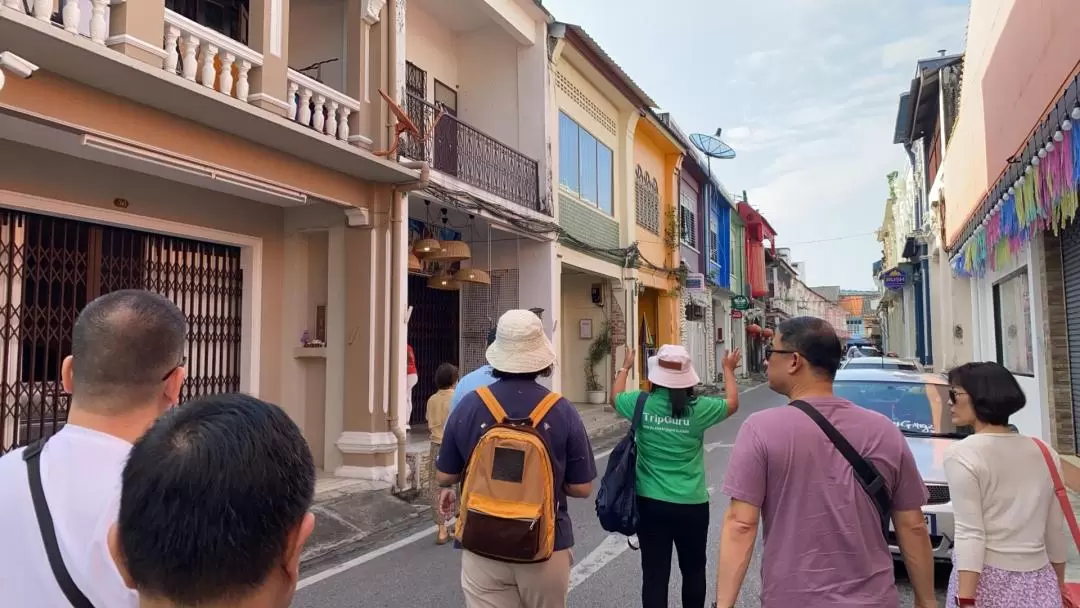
{"x": 414, "y": 263}
{"x": 452, "y": 251}
{"x": 472, "y": 275}
{"x": 426, "y": 247}
{"x": 444, "y": 281}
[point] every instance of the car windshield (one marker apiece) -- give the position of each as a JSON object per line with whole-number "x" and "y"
{"x": 879, "y": 364}
{"x": 917, "y": 409}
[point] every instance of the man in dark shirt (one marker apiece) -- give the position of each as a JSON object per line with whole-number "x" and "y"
{"x": 521, "y": 353}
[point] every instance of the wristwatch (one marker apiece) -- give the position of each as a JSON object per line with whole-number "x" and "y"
{"x": 965, "y": 601}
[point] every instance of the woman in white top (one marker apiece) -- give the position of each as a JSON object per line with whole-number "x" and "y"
{"x": 1010, "y": 544}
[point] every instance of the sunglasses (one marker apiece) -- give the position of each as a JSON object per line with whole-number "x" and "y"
{"x": 182, "y": 363}
{"x": 770, "y": 351}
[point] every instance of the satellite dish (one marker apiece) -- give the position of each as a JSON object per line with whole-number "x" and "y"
{"x": 712, "y": 146}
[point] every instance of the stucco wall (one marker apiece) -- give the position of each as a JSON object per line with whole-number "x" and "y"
{"x": 315, "y": 35}
{"x": 577, "y": 305}
{"x": 433, "y": 48}
{"x": 648, "y": 155}
{"x": 1019, "y": 55}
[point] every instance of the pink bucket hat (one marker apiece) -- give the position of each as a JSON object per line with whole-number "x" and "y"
{"x": 671, "y": 367}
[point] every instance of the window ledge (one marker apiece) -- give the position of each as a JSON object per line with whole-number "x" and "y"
{"x": 574, "y": 196}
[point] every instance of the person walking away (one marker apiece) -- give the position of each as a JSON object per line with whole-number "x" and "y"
{"x": 475, "y": 379}
{"x": 438, "y": 410}
{"x": 412, "y": 378}
{"x": 824, "y": 542}
{"x": 214, "y": 507}
{"x": 126, "y": 367}
{"x": 673, "y": 499}
{"x": 1010, "y": 545}
{"x": 516, "y": 534}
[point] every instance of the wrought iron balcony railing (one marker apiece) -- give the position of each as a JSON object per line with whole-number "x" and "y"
{"x": 472, "y": 156}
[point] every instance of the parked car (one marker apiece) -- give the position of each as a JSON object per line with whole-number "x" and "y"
{"x": 887, "y": 363}
{"x": 918, "y": 403}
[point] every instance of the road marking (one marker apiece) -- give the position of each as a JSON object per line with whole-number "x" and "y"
{"x": 610, "y": 548}
{"x": 719, "y": 444}
{"x": 429, "y": 532}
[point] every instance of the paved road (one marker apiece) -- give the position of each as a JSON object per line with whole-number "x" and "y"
{"x": 408, "y": 569}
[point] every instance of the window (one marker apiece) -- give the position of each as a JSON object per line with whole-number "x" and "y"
{"x": 688, "y": 227}
{"x": 714, "y": 239}
{"x": 647, "y": 201}
{"x": 1012, "y": 330}
{"x": 736, "y": 261}
{"x": 586, "y": 166}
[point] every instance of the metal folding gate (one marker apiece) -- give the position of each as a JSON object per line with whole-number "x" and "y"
{"x": 433, "y": 335}
{"x": 1070, "y": 271}
{"x": 50, "y": 267}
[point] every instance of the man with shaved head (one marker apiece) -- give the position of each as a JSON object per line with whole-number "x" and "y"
{"x": 60, "y": 496}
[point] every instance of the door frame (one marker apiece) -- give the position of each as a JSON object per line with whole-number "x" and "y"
{"x": 251, "y": 260}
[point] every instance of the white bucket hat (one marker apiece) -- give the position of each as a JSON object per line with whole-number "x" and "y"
{"x": 671, "y": 367}
{"x": 521, "y": 346}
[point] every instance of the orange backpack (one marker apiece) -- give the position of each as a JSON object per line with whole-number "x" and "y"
{"x": 508, "y": 498}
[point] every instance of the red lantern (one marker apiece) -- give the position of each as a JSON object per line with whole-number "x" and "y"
{"x": 753, "y": 329}
{"x": 766, "y": 333}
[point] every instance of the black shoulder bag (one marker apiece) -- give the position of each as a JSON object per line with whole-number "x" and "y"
{"x": 865, "y": 472}
{"x": 32, "y": 457}
{"x": 616, "y": 500}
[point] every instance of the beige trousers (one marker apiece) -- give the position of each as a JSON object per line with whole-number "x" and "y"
{"x": 493, "y": 584}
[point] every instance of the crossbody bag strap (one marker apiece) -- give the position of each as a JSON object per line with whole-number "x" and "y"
{"x": 32, "y": 457}
{"x": 639, "y": 409}
{"x": 1059, "y": 490}
{"x": 865, "y": 472}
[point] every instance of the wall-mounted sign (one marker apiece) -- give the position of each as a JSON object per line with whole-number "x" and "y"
{"x": 736, "y": 314}
{"x": 695, "y": 282}
{"x": 894, "y": 279}
{"x": 740, "y": 303}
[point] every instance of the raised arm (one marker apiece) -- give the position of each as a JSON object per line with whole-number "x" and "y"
{"x": 618, "y": 385}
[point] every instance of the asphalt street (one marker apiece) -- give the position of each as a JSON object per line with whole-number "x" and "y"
{"x": 408, "y": 569}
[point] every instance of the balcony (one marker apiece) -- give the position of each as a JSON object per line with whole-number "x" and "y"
{"x": 472, "y": 156}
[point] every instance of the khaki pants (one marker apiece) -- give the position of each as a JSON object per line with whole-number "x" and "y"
{"x": 492, "y": 584}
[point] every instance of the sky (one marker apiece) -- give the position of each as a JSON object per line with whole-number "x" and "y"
{"x": 806, "y": 91}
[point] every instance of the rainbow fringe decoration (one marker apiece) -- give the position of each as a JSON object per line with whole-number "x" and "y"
{"x": 1044, "y": 198}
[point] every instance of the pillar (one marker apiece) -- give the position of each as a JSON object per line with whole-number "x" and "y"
{"x": 137, "y": 29}
{"x": 364, "y": 22}
{"x": 268, "y": 33}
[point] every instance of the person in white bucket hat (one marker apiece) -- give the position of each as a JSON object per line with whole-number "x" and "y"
{"x": 520, "y": 354}
{"x": 672, "y": 495}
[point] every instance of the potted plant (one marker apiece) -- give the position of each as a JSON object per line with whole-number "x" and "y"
{"x": 600, "y": 348}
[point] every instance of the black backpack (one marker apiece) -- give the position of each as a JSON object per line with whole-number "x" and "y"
{"x": 616, "y": 501}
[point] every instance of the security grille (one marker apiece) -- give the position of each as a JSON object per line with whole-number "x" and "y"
{"x": 647, "y": 199}
{"x": 433, "y": 335}
{"x": 1070, "y": 271}
{"x": 482, "y": 305}
{"x": 51, "y": 267}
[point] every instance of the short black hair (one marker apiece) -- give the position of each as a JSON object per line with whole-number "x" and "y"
{"x": 124, "y": 344}
{"x": 491, "y": 336}
{"x": 995, "y": 393}
{"x": 446, "y": 376}
{"x": 210, "y": 495}
{"x": 816, "y": 341}
{"x": 500, "y": 375}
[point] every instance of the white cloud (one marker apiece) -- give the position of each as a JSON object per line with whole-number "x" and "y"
{"x": 806, "y": 91}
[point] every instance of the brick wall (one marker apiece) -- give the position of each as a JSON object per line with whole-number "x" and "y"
{"x": 1056, "y": 347}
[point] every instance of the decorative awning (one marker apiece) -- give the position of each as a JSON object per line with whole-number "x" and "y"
{"x": 1037, "y": 192}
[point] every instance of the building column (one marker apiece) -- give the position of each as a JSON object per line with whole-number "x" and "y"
{"x": 364, "y": 25}
{"x": 366, "y": 444}
{"x": 137, "y": 29}
{"x": 539, "y": 283}
{"x": 268, "y": 34}
{"x": 625, "y": 179}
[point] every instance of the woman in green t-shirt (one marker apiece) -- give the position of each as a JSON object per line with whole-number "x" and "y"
{"x": 673, "y": 499}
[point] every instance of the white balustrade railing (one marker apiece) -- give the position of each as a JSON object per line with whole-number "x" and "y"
{"x": 320, "y": 107}
{"x": 72, "y": 13}
{"x": 211, "y": 58}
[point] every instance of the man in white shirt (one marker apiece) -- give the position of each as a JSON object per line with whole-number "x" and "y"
{"x": 126, "y": 368}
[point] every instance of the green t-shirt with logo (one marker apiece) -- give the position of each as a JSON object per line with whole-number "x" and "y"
{"x": 671, "y": 454}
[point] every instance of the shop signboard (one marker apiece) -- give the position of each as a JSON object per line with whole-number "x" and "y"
{"x": 894, "y": 279}
{"x": 740, "y": 302}
{"x": 736, "y": 314}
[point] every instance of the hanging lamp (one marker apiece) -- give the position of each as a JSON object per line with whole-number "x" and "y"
{"x": 472, "y": 275}
{"x": 444, "y": 281}
{"x": 452, "y": 251}
{"x": 414, "y": 263}
{"x": 426, "y": 246}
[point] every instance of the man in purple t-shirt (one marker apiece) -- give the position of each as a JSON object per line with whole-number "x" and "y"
{"x": 823, "y": 542}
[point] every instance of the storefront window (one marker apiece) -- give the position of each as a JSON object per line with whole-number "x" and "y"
{"x": 1012, "y": 328}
